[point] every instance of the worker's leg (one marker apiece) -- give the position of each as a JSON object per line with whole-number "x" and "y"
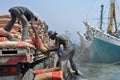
{"x": 64, "y": 65}
{"x": 25, "y": 31}
{"x": 10, "y": 24}
{"x": 59, "y": 53}
{"x": 14, "y": 14}
{"x": 73, "y": 64}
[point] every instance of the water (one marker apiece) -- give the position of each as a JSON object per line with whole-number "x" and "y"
{"x": 100, "y": 71}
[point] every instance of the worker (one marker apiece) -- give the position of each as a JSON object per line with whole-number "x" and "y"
{"x": 67, "y": 54}
{"x": 24, "y": 15}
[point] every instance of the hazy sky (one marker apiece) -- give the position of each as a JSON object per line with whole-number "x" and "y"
{"x": 61, "y": 15}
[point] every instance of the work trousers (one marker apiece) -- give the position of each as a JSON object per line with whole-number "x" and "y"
{"x": 67, "y": 62}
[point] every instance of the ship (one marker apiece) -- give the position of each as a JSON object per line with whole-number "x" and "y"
{"x": 102, "y": 46}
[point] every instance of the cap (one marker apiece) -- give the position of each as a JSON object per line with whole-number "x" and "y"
{"x": 52, "y": 34}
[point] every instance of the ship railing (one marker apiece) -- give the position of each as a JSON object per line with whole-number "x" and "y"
{"x": 98, "y": 31}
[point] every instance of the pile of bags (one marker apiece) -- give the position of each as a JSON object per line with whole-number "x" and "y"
{"x": 40, "y": 27}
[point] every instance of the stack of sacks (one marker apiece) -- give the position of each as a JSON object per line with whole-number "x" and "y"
{"x": 17, "y": 29}
{"x": 40, "y": 30}
{"x": 4, "y": 19}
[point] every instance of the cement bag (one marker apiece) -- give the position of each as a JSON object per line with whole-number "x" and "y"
{"x": 48, "y": 74}
{"x": 2, "y": 25}
{"x": 4, "y": 16}
{"x": 15, "y": 34}
{"x": 15, "y": 26}
{"x": 46, "y": 70}
{"x": 3, "y": 39}
{"x": 2, "y": 32}
{"x": 38, "y": 43}
{"x": 56, "y": 75}
{"x": 4, "y": 21}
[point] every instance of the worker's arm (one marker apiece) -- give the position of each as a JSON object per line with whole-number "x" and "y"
{"x": 50, "y": 50}
{"x": 53, "y": 49}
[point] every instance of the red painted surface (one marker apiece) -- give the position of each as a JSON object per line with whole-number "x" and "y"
{"x": 17, "y": 59}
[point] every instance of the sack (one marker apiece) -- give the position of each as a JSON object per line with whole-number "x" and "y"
{"x": 56, "y": 75}
{"x": 4, "y": 21}
{"x": 46, "y": 70}
{"x": 38, "y": 43}
{"x": 4, "y": 16}
{"x": 15, "y": 26}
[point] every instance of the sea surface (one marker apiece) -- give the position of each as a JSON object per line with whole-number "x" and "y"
{"x": 99, "y": 71}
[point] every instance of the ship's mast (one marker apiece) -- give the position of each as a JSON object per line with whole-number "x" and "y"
{"x": 101, "y": 17}
{"x": 112, "y": 18}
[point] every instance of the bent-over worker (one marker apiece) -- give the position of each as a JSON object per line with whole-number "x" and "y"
{"x": 68, "y": 52}
{"x": 24, "y": 15}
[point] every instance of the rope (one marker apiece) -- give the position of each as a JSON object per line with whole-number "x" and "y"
{"x": 82, "y": 50}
